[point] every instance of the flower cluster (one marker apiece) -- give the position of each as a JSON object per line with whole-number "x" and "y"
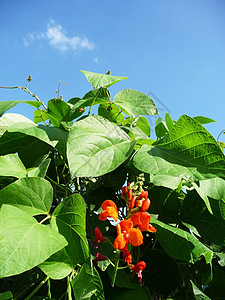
{"x": 129, "y": 230}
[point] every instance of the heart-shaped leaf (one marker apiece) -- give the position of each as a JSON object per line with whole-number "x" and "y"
{"x": 96, "y": 147}
{"x": 24, "y": 243}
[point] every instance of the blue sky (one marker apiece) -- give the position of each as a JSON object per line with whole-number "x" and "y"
{"x": 175, "y": 49}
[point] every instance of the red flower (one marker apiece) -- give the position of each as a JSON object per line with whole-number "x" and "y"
{"x": 127, "y": 256}
{"x": 109, "y": 210}
{"x": 100, "y": 257}
{"x": 98, "y": 237}
{"x": 126, "y": 233}
{"x": 138, "y": 268}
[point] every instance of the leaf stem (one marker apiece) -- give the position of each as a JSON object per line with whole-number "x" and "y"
{"x": 94, "y": 101}
{"x": 46, "y": 218}
{"x": 116, "y": 266}
{"x": 53, "y": 181}
{"x": 37, "y": 288}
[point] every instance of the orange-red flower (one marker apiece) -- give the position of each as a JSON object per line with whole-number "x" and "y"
{"x": 141, "y": 220}
{"x": 126, "y": 233}
{"x": 109, "y": 210}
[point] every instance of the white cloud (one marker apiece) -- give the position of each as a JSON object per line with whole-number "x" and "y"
{"x": 96, "y": 59}
{"x": 57, "y": 37}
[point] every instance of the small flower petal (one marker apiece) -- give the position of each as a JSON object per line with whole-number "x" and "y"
{"x": 120, "y": 242}
{"x": 135, "y": 237}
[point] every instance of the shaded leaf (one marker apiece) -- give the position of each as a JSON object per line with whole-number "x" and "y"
{"x": 87, "y": 284}
{"x": 180, "y": 244}
{"x": 69, "y": 220}
{"x": 198, "y": 294}
{"x": 162, "y": 274}
{"x": 194, "y": 212}
{"x": 6, "y": 296}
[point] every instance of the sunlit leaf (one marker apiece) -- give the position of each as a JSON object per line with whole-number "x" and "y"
{"x": 135, "y": 103}
{"x": 96, "y": 146}
{"x": 188, "y": 151}
{"x": 24, "y": 243}
{"x": 11, "y": 165}
{"x": 7, "y": 105}
{"x": 32, "y": 195}
{"x": 97, "y": 80}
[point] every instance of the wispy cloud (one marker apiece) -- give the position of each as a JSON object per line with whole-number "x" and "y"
{"x": 58, "y": 38}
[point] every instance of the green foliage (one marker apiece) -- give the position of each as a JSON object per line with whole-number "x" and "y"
{"x": 55, "y": 173}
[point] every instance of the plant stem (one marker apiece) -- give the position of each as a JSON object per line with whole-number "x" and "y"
{"x": 49, "y": 288}
{"x": 50, "y": 179}
{"x": 26, "y": 90}
{"x": 37, "y": 288}
{"x": 69, "y": 289}
{"x": 116, "y": 266}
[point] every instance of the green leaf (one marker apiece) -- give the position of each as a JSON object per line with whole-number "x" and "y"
{"x": 6, "y": 105}
{"x": 180, "y": 244}
{"x": 11, "y": 165}
{"x": 32, "y": 195}
{"x": 203, "y": 196}
{"x": 57, "y": 136}
{"x": 40, "y": 167}
{"x": 188, "y": 151}
{"x": 170, "y": 182}
{"x": 40, "y": 115}
{"x": 135, "y": 103}
{"x": 6, "y": 296}
{"x": 96, "y": 147}
{"x": 194, "y": 212}
{"x": 166, "y": 204}
{"x": 214, "y": 188}
{"x": 198, "y": 294}
{"x": 169, "y": 121}
{"x": 87, "y": 285}
{"x": 58, "y": 266}
{"x": 24, "y": 243}
{"x": 160, "y": 128}
{"x": 97, "y": 80}
{"x": 69, "y": 220}
{"x": 122, "y": 279}
{"x": 162, "y": 274}
{"x": 9, "y": 119}
{"x": 204, "y": 120}
{"x": 112, "y": 114}
{"x": 100, "y": 96}
{"x": 57, "y": 111}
